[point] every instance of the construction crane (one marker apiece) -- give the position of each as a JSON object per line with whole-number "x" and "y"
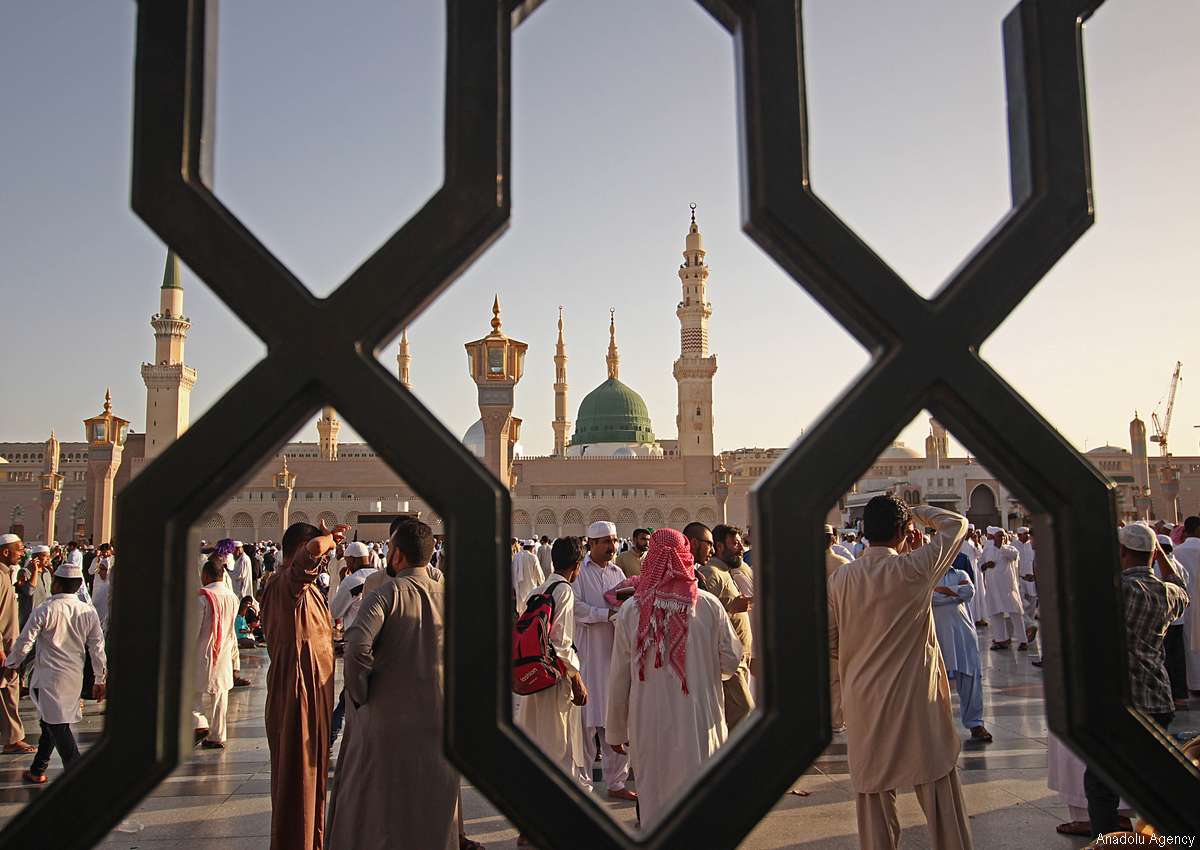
{"x": 1163, "y": 426}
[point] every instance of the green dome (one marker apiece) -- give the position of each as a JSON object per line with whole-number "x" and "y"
{"x": 612, "y": 413}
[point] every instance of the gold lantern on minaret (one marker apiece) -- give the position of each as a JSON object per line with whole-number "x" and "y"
{"x": 496, "y": 364}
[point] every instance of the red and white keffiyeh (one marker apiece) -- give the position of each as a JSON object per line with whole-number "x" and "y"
{"x": 666, "y": 594}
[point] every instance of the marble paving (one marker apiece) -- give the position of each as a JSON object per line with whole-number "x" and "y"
{"x": 220, "y": 799}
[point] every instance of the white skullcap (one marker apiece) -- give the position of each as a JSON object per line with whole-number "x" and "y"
{"x": 239, "y": 544}
{"x": 39, "y": 549}
{"x": 970, "y": 526}
{"x": 5, "y": 539}
{"x": 357, "y": 549}
{"x": 69, "y": 569}
{"x": 992, "y": 530}
{"x": 1137, "y": 536}
{"x": 323, "y": 579}
{"x": 1165, "y": 541}
{"x": 828, "y": 528}
{"x": 529, "y": 543}
{"x": 1023, "y": 530}
{"x": 601, "y": 528}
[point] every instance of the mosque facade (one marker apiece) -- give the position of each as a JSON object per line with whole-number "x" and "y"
{"x": 608, "y": 464}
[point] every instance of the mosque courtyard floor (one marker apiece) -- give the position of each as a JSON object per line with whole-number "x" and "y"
{"x": 221, "y": 799}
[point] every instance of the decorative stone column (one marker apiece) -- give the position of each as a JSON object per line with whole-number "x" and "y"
{"x": 51, "y": 489}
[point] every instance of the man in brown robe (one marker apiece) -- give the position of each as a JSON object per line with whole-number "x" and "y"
{"x": 299, "y": 707}
{"x": 895, "y": 694}
{"x": 385, "y": 797}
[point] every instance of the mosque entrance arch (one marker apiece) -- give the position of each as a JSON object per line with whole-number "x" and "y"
{"x": 981, "y": 507}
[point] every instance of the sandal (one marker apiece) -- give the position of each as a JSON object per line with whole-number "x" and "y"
{"x": 1075, "y": 827}
{"x": 465, "y": 843}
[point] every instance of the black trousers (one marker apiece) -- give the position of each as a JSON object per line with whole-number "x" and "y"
{"x": 1103, "y": 800}
{"x": 55, "y": 736}
{"x": 1176, "y": 662}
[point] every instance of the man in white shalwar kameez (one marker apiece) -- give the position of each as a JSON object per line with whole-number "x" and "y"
{"x": 1029, "y": 599}
{"x": 999, "y": 565}
{"x": 526, "y": 573}
{"x": 61, "y": 628}
{"x": 215, "y": 645}
{"x": 101, "y": 570}
{"x": 1187, "y": 552}
{"x": 242, "y": 572}
{"x": 594, "y": 643}
{"x": 674, "y": 644}
{"x": 551, "y": 718}
{"x": 972, "y": 550}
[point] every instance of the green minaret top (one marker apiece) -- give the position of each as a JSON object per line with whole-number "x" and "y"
{"x": 171, "y": 272}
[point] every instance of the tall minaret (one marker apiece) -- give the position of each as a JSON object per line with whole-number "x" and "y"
{"x": 937, "y": 444}
{"x": 561, "y": 424}
{"x": 51, "y": 488}
{"x": 695, "y": 367}
{"x": 1143, "y": 503}
{"x": 404, "y": 361}
{"x": 612, "y": 358}
{"x": 168, "y": 379}
{"x": 327, "y": 428}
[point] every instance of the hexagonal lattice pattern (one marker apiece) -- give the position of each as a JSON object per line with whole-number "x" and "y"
{"x": 924, "y": 357}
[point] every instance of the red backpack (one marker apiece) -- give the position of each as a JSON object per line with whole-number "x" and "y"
{"x": 535, "y": 665}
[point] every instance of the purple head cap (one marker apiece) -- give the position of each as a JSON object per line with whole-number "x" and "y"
{"x": 224, "y": 547}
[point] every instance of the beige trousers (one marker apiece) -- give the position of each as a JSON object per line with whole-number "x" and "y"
{"x": 942, "y": 803}
{"x": 738, "y": 700}
{"x": 11, "y": 729}
{"x": 210, "y": 713}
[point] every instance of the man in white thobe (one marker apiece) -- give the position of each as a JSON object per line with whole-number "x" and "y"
{"x": 241, "y": 574}
{"x": 1188, "y": 554}
{"x": 674, "y": 644}
{"x": 526, "y": 573}
{"x": 61, "y": 628}
{"x": 594, "y": 643}
{"x": 215, "y": 645}
{"x": 12, "y": 732}
{"x": 101, "y": 570}
{"x": 544, "y": 555}
{"x": 978, "y": 603}
{"x": 551, "y": 718}
{"x": 1029, "y": 599}
{"x": 999, "y": 564}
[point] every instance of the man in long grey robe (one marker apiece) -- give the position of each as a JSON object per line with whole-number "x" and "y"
{"x": 385, "y": 797}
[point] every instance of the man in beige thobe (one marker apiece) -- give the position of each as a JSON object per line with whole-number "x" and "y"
{"x": 895, "y": 693}
{"x": 832, "y": 561}
{"x": 406, "y": 796}
{"x": 715, "y": 578}
{"x": 12, "y": 732}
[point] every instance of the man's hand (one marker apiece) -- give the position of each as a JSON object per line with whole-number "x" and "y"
{"x": 98, "y": 690}
{"x": 945, "y": 591}
{"x": 327, "y": 540}
{"x": 740, "y": 605}
{"x": 579, "y": 691}
{"x": 1027, "y": 577}
{"x": 987, "y": 565}
{"x": 619, "y": 749}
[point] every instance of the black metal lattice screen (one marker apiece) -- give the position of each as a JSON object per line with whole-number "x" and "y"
{"x": 925, "y": 356}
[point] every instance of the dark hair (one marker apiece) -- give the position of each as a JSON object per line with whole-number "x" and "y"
{"x": 692, "y": 531}
{"x": 213, "y": 569}
{"x": 297, "y": 535}
{"x": 1191, "y": 525}
{"x": 638, "y": 531}
{"x": 566, "y": 553}
{"x": 68, "y": 585}
{"x": 722, "y": 532}
{"x": 884, "y": 518}
{"x": 545, "y": 539}
{"x": 414, "y": 540}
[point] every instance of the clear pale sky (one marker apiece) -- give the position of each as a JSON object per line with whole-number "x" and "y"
{"x": 329, "y": 137}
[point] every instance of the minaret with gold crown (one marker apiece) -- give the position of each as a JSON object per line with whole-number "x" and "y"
{"x": 695, "y": 367}
{"x": 168, "y": 379}
{"x": 497, "y": 363}
{"x": 562, "y": 425}
{"x": 328, "y": 427}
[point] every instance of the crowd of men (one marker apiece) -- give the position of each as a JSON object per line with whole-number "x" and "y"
{"x": 652, "y": 641}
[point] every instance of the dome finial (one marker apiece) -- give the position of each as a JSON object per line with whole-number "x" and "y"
{"x": 614, "y": 361}
{"x": 107, "y": 400}
{"x": 496, "y": 314}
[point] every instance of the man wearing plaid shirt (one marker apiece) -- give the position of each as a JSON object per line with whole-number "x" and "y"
{"x": 1151, "y": 606}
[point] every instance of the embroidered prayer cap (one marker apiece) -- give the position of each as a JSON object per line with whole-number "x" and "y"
{"x": 1023, "y": 530}
{"x": 601, "y": 528}
{"x": 992, "y": 529}
{"x": 1137, "y": 536}
{"x": 1166, "y": 542}
{"x": 357, "y": 549}
{"x": 5, "y": 539}
{"x": 39, "y": 549}
{"x": 69, "y": 569}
